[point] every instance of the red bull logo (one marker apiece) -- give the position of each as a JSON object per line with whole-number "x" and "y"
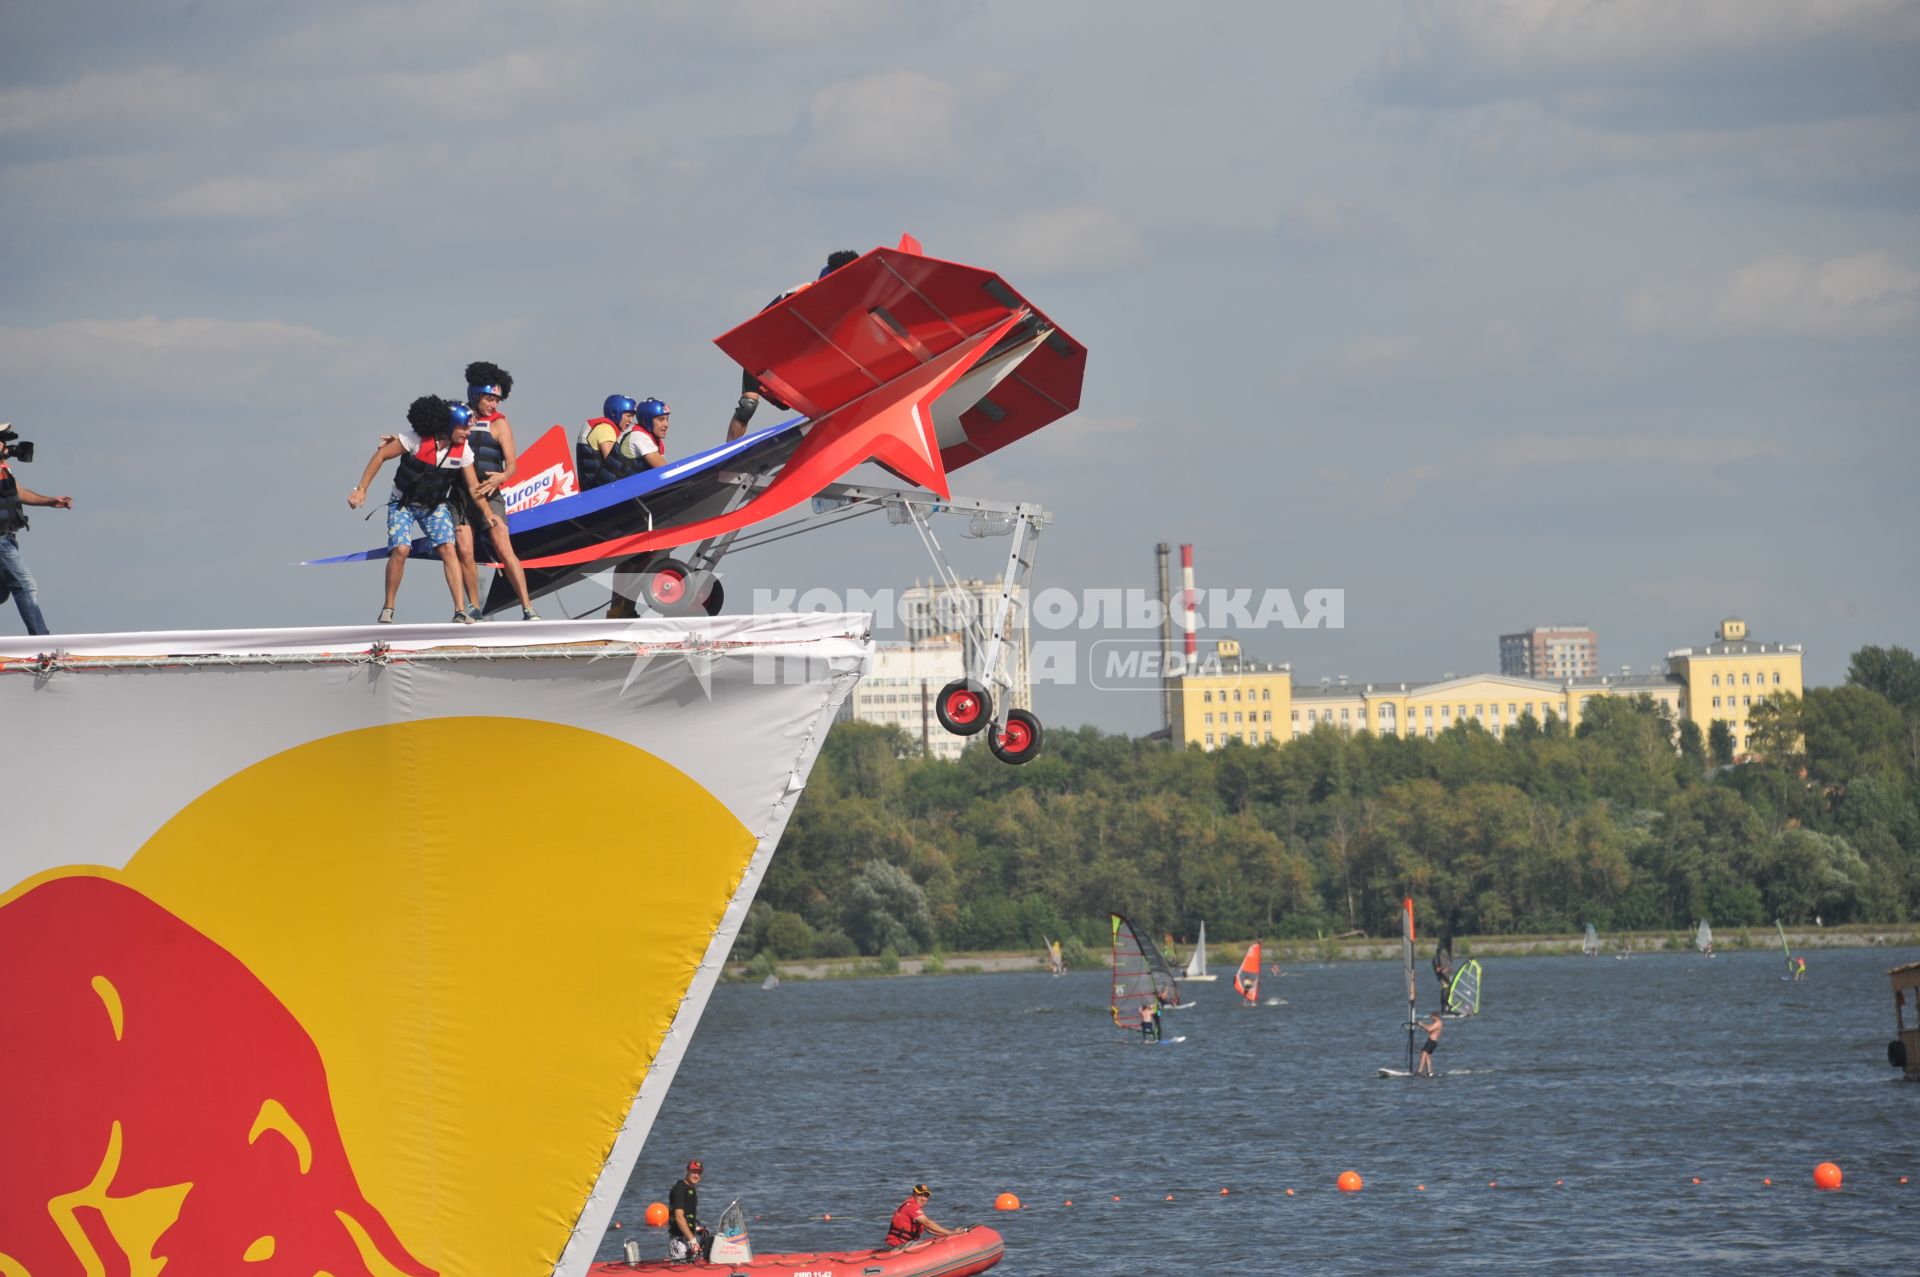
{"x": 162, "y": 1108}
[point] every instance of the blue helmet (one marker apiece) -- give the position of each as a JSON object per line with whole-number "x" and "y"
{"x": 616, "y": 406}
{"x": 474, "y": 392}
{"x": 458, "y": 414}
{"x": 651, "y": 408}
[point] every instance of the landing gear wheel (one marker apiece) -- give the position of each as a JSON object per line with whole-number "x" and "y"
{"x": 666, "y": 587}
{"x": 964, "y": 707}
{"x": 1020, "y": 742}
{"x": 713, "y": 596}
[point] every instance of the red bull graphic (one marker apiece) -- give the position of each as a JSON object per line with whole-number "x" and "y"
{"x": 162, "y": 1108}
{"x": 320, "y": 1006}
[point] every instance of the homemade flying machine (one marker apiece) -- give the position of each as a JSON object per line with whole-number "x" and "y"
{"x": 917, "y": 365}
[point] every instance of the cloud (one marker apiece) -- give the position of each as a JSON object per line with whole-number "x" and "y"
{"x": 181, "y": 359}
{"x": 1079, "y": 240}
{"x": 978, "y": 134}
{"x": 1491, "y": 464}
{"x": 1864, "y": 294}
{"x": 1607, "y": 58}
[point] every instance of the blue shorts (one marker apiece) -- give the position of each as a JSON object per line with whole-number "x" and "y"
{"x": 436, "y": 524}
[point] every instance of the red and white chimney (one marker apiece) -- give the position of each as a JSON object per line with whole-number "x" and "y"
{"x": 1189, "y": 608}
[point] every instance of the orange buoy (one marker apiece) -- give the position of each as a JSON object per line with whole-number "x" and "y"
{"x": 657, "y": 1215}
{"x": 1069, "y": 1201}
{"x": 1006, "y": 1201}
{"x": 1826, "y": 1175}
{"x": 1768, "y": 1182}
{"x": 1557, "y": 1183}
{"x": 1903, "y": 1179}
{"x": 1696, "y": 1179}
{"x": 1419, "y": 1188}
{"x": 1116, "y": 1197}
{"x": 1350, "y": 1182}
{"x": 1169, "y": 1196}
{"x": 1289, "y": 1192}
{"x": 826, "y": 1217}
{"x": 1493, "y": 1183}
{"x": 1223, "y": 1192}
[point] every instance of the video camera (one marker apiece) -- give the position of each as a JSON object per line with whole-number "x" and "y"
{"x": 17, "y": 449}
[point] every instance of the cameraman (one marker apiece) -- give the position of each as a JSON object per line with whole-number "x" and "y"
{"x": 15, "y": 580}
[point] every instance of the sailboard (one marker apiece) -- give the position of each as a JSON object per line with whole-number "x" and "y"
{"x": 1246, "y": 981}
{"x": 771, "y": 982}
{"x": 1440, "y": 1073}
{"x": 1463, "y": 994}
{"x": 1197, "y": 962}
{"x": 1785, "y": 949}
{"x": 1591, "y": 945}
{"x": 1703, "y": 938}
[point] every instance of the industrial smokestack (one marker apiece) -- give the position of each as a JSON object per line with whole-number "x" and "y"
{"x": 1189, "y": 606}
{"x": 1160, "y": 552}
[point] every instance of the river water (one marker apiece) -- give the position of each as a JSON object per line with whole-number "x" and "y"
{"x": 1598, "y": 1091}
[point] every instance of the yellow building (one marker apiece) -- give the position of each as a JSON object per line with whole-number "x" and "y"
{"x": 1230, "y": 699}
{"x": 1726, "y": 678}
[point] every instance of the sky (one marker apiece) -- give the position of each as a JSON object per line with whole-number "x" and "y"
{"x": 1489, "y": 314}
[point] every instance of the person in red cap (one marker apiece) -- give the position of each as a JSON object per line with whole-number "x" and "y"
{"x": 911, "y": 1220}
{"x": 686, "y": 1240}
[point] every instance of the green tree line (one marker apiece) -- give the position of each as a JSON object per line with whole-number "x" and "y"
{"x": 1633, "y": 822}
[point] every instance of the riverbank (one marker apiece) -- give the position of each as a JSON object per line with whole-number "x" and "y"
{"x": 1222, "y": 958}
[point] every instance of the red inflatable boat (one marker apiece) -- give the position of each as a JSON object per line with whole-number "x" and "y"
{"x": 970, "y": 1250}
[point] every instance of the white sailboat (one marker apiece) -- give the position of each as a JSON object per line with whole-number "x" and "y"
{"x": 1197, "y": 964}
{"x": 1703, "y": 938}
{"x": 1591, "y": 945}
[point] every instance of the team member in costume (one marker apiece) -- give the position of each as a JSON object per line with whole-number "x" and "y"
{"x": 751, "y": 391}
{"x": 494, "y": 461}
{"x": 436, "y": 468}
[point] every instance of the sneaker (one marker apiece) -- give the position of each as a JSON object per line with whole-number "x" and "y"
{"x": 461, "y": 618}
{"x": 528, "y": 614}
{"x": 473, "y": 612}
{"x": 386, "y": 616}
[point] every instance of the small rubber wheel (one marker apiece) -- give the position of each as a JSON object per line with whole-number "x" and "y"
{"x": 667, "y": 588}
{"x": 964, "y": 707}
{"x": 1020, "y": 742}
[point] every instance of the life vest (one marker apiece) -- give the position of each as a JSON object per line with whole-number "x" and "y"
{"x": 427, "y": 475}
{"x": 13, "y": 511}
{"x": 905, "y": 1224}
{"x": 489, "y": 458}
{"x": 589, "y": 466}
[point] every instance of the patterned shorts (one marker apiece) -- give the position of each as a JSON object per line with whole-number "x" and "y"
{"x": 435, "y": 523}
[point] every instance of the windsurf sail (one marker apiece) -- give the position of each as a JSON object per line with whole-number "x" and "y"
{"x": 1785, "y": 950}
{"x": 1413, "y": 992}
{"x": 1197, "y": 963}
{"x": 730, "y": 1244}
{"x": 1591, "y": 945}
{"x": 1463, "y": 994}
{"x": 771, "y": 982}
{"x": 1133, "y": 978}
{"x": 1246, "y": 981}
{"x": 1703, "y": 937}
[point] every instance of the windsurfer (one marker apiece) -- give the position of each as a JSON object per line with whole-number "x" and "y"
{"x": 1150, "y": 1021}
{"x": 686, "y": 1240}
{"x": 1433, "y": 1024}
{"x": 751, "y": 391}
{"x": 1799, "y": 968}
{"x": 1443, "y": 972}
{"x": 910, "y": 1219}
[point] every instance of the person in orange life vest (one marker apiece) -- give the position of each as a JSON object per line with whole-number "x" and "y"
{"x": 910, "y": 1220}
{"x": 435, "y": 462}
{"x": 494, "y": 461}
{"x": 751, "y": 391}
{"x": 645, "y": 445}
